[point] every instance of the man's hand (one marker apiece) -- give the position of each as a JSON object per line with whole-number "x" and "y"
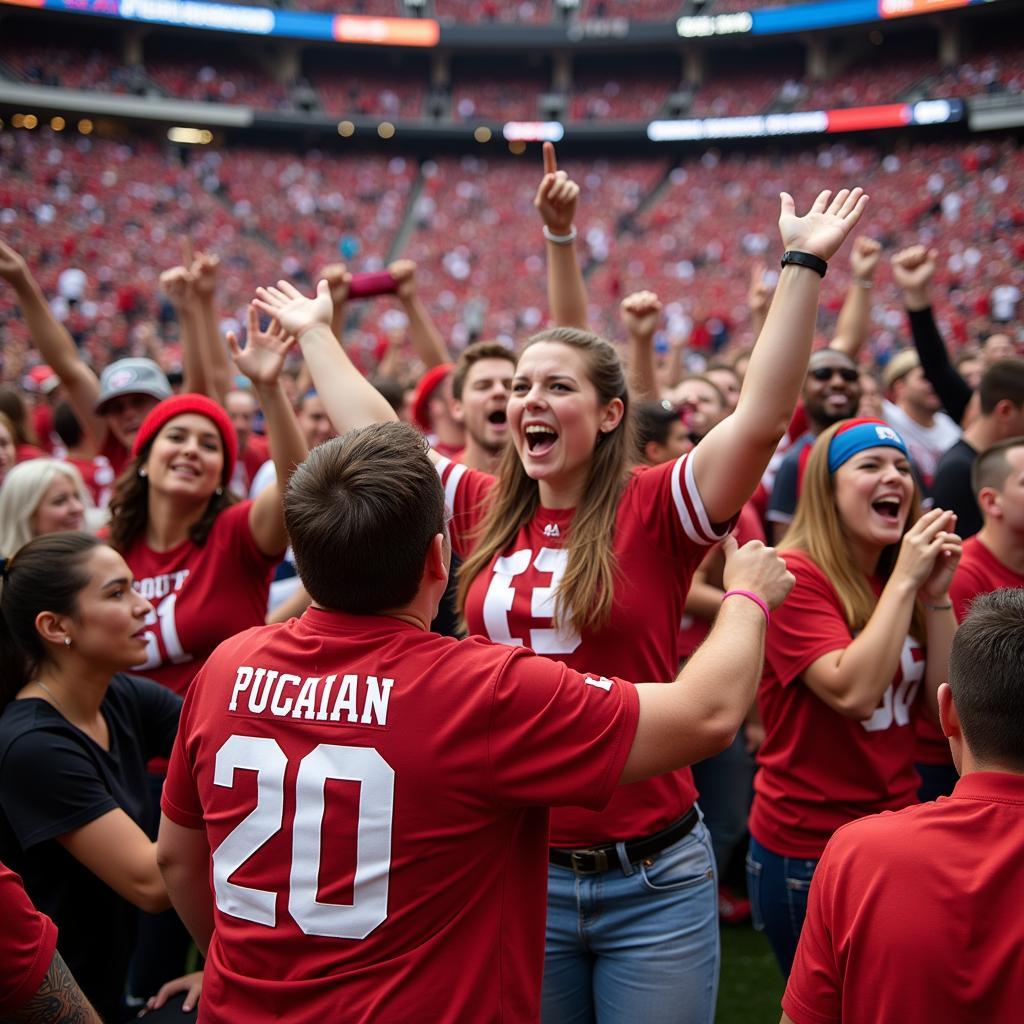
{"x": 292, "y": 310}
{"x": 758, "y": 569}
{"x": 178, "y": 284}
{"x": 204, "y": 273}
{"x": 13, "y": 268}
{"x": 912, "y": 270}
{"x": 404, "y": 272}
{"x": 263, "y": 356}
{"x": 640, "y": 313}
{"x": 337, "y": 277}
{"x": 823, "y": 229}
{"x": 557, "y": 196}
{"x": 864, "y": 257}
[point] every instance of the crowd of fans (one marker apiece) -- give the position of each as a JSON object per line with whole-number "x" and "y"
{"x": 506, "y": 91}
{"x": 595, "y": 494}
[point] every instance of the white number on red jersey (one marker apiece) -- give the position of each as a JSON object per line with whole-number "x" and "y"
{"x": 899, "y": 696}
{"x": 163, "y": 616}
{"x": 376, "y": 777}
{"x": 501, "y": 593}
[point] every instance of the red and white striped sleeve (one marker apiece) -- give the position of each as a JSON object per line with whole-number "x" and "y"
{"x": 465, "y": 494}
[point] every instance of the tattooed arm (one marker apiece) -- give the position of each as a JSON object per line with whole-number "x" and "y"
{"x": 58, "y": 1000}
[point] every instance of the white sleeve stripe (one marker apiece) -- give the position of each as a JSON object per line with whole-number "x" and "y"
{"x": 452, "y": 486}
{"x": 441, "y": 465}
{"x": 681, "y": 509}
{"x": 698, "y": 506}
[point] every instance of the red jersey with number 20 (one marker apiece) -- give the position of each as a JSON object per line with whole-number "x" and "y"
{"x": 820, "y": 769}
{"x": 661, "y": 535}
{"x": 201, "y": 595}
{"x": 376, "y": 798}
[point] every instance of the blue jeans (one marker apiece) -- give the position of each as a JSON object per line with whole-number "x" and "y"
{"x": 778, "y": 888}
{"x": 726, "y": 786}
{"x": 636, "y": 943}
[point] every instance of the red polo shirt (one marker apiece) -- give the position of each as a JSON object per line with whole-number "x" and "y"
{"x": 915, "y": 915}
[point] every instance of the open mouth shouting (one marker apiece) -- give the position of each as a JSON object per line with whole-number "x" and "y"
{"x": 540, "y": 439}
{"x": 497, "y": 418}
{"x": 888, "y": 508}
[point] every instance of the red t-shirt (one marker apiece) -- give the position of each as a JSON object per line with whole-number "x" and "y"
{"x": 820, "y": 769}
{"x": 916, "y": 916}
{"x": 380, "y": 837}
{"x": 27, "y": 452}
{"x": 28, "y": 941}
{"x": 200, "y": 595}
{"x": 115, "y": 453}
{"x": 255, "y": 453}
{"x": 692, "y": 631}
{"x": 98, "y": 476}
{"x": 979, "y": 572}
{"x": 661, "y": 534}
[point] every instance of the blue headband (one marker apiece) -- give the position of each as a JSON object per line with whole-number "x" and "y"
{"x": 858, "y": 436}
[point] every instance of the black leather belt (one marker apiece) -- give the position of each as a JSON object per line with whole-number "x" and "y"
{"x": 596, "y": 859}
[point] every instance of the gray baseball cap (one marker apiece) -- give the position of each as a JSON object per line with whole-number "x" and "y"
{"x": 132, "y": 377}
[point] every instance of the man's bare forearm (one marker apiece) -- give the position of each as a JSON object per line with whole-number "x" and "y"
{"x": 58, "y": 1000}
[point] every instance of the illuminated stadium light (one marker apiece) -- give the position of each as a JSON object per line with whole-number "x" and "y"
{"x": 17, "y": 120}
{"x": 58, "y": 124}
{"x": 517, "y": 147}
{"x": 386, "y": 130}
{"x": 482, "y": 134}
{"x": 346, "y": 129}
{"x": 190, "y": 136}
{"x": 533, "y": 131}
{"x": 31, "y": 120}
{"x": 85, "y": 126}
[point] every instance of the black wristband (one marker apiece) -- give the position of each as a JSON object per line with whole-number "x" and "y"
{"x": 805, "y": 259}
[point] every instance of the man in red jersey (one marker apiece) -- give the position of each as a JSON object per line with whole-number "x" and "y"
{"x": 375, "y": 796}
{"x": 994, "y": 557}
{"x": 914, "y": 915}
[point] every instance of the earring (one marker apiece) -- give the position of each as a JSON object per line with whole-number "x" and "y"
{"x": 67, "y": 641}
{"x": 142, "y": 472}
{"x": 219, "y": 491}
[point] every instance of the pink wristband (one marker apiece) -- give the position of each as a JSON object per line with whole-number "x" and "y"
{"x": 753, "y": 597}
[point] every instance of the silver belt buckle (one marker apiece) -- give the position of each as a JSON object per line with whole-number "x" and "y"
{"x": 597, "y": 861}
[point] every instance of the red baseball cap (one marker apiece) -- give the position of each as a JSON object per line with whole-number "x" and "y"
{"x": 428, "y": 384}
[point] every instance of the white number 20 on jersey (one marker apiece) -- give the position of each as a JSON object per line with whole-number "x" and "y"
{"x": 373, "y": 857}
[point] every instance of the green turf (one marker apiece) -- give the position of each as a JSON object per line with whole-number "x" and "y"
{"x": 751, "y": 986}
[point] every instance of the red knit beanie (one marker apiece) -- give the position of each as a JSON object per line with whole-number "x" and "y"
{"x": 178, "y": 405}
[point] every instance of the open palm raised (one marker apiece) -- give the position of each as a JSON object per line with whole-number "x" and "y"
{"x": 294, "y": 311}
{"x": 263, "y": 356}
{"x": 823, "y": 229}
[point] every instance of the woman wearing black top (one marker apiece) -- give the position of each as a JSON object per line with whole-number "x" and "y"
{"x": 75, "y": 736}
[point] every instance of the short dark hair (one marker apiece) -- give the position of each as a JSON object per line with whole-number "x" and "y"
{"x": 1002, "y": 381}
{"x": 362, "y": 511}
{"x": 45, "y": 575}
{"x": 653, "y": 420}
{"x": 986, "y": 676}
{"x": 990, "y": 468}
{"x": 474, "y": 354}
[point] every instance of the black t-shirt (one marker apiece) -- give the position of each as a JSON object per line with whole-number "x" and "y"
{"x": 54, "y": 779}
{"x": 951, "y": 488}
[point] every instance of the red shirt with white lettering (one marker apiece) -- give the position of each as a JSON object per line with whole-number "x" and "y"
{"x": 201, "y": 595}
{"x": 915, "y": 916}
{"x": 820, "y": 769}
{"x": 979, "y": 572}
{"x": 661, "y": 535}
{"x": 377, "y": 807}
{"x": 28, "y": 940}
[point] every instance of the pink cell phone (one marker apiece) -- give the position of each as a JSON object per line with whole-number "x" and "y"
{"x": 363, "y": 286}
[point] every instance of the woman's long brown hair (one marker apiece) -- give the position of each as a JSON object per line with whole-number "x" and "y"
{"x": 586, "y": 592}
